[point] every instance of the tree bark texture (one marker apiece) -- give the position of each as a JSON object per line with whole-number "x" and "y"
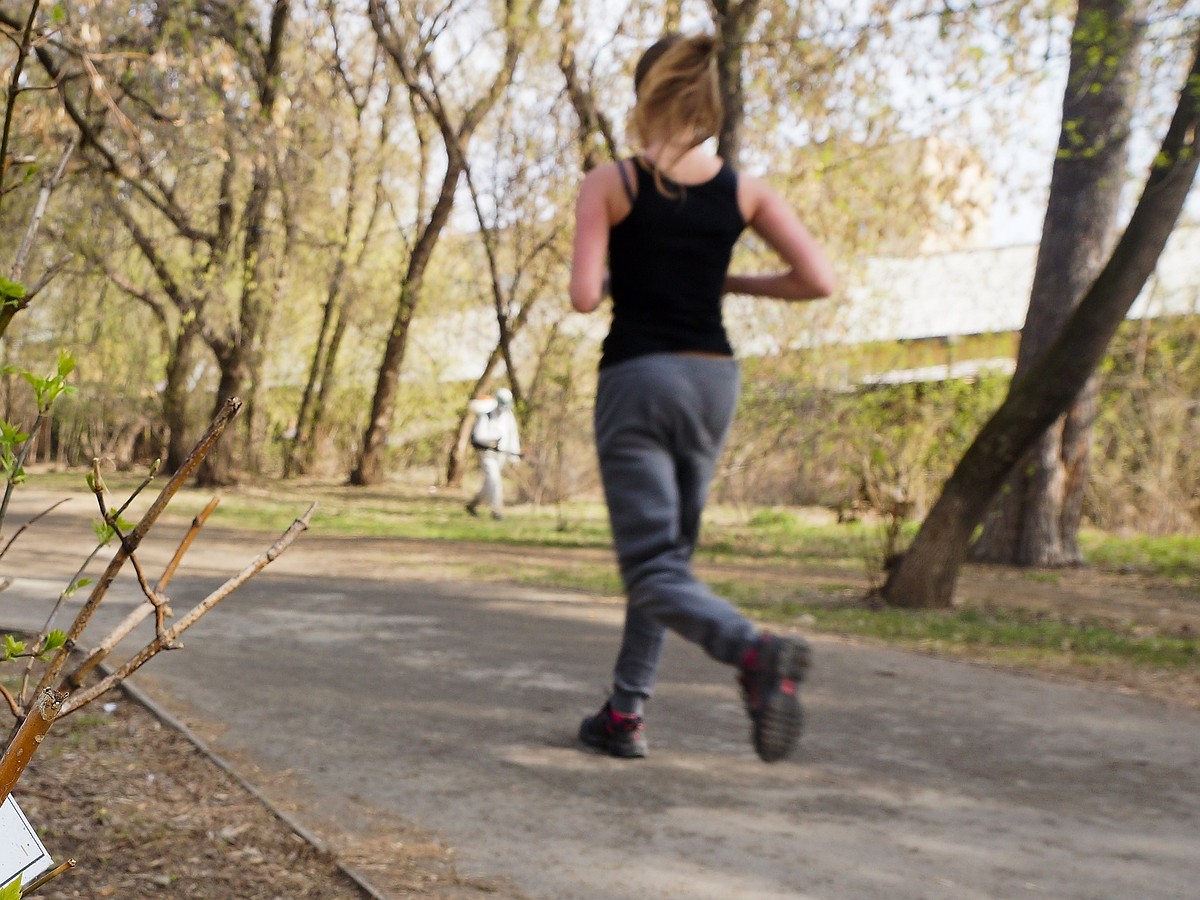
{"x": 175, "y": 395}
{"x": 369, "y": 469}
{"x": 732, "y": 21}
{"x": 926, "y": 574}
{"x": 1035, "y": 519}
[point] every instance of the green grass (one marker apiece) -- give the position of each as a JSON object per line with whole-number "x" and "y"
{"x": 1176, "y": 557}
{"x": 766, "y": 533}
{"x": 765, "y": 537}
{"x": 1011, "y": 634}
{"x": 769, "y": 534}
{"x": 1014, "y": 637}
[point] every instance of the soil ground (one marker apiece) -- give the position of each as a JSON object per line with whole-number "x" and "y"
{"x": 148, "y": 815}
{"x": 145, "y": 814}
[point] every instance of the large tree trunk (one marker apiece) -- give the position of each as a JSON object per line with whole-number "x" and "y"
{"x": 369, "y": 469}
{"x": 297, "y": 458}
{"x": 1035, "y": 519}
{"x": 175, "y": 395}
{"x": 732, "y": 20}
{"x": 300, "y": 455}
{"x": 319, "y": 432}
{"x": 926, "y": 574}
{"x": 220, "y": 467}
{"x": 238, "y": 356}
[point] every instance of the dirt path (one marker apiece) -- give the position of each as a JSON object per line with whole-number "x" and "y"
{"x": 366, "y": 694}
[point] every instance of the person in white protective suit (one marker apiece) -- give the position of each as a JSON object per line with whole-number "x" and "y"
{"x": 498, "y": 443}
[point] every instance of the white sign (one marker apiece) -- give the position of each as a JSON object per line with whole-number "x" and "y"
{"x": 21, "y": 851}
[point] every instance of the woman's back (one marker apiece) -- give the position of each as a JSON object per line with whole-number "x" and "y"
{"x": 668, "y": 259}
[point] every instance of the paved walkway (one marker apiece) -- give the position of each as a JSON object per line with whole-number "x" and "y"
{"x": 357, "y": 695}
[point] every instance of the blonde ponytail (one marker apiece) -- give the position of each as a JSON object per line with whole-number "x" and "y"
{"x": 677, "y": 83}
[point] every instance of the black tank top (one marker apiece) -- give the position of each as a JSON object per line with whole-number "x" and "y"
{"x": 667, "y": 262}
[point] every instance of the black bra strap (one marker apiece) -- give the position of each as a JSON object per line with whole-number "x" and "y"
{"x": 625, "y": 180}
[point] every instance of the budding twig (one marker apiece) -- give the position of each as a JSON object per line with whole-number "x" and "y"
{"x": 131, "y": 621}
{"x": 169, "y": 638}
{"x": 54, "y": 670}
{"x": 46, "y": 877}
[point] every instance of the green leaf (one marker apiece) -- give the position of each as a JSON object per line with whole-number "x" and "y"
{"x": 72, "y": 588}
{"x": 11, "y": 891}
{"x": 12, "y": 647}
{"x": 54, "y": 640}
{"x": 11, "y": 291}
{"x": 104, "y": 532}
{"x": 58, "y": 15}
{"x": 10, "y": 435}
{"x": 66, "y": 363}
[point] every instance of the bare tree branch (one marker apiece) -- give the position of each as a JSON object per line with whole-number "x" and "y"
{"x": 77, "y": 678}
{"x": 35, "y": 220}
{"x": 207, "y": 442}
{"x": 28, "y": 736}
{"x": 169, "y": 639}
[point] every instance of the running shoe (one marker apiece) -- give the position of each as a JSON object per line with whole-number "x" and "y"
{"x": 771, "y": 672}
{"x": 617, "y": 734}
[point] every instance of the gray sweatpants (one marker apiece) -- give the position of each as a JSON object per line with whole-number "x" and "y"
{"x": 661, "y": 421}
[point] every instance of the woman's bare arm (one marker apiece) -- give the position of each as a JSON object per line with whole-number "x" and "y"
{"x": 592, "y": 220}
{"x": 808, "y": 276}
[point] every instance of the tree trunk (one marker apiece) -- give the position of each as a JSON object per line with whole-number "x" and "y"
{"x": 456, "y": 139}
{"x": 296, "y": 461}
{"x": 383, "y": 402}
{"x": 317, "y": 431}
{"x": 299, "y": 456}
{"x": 732, "y": 20}
{"x": 219, "y": 468}
{"x": 175, "y": 395}
{"x": 369, "y": 469}
{"x": 926, "y": 574}
{"x": 1035, "y": 520}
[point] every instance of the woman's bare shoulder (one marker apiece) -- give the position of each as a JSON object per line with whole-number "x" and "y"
{"x": 606, "y": 184}
{"x": 751, "y": 191}
{"x": 604, "y": 175}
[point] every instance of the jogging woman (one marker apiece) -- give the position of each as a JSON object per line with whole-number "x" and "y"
{"x": 657, "y": 232}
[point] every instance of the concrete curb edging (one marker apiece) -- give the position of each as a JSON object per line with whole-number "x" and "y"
{"x": 356, "y": 877}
